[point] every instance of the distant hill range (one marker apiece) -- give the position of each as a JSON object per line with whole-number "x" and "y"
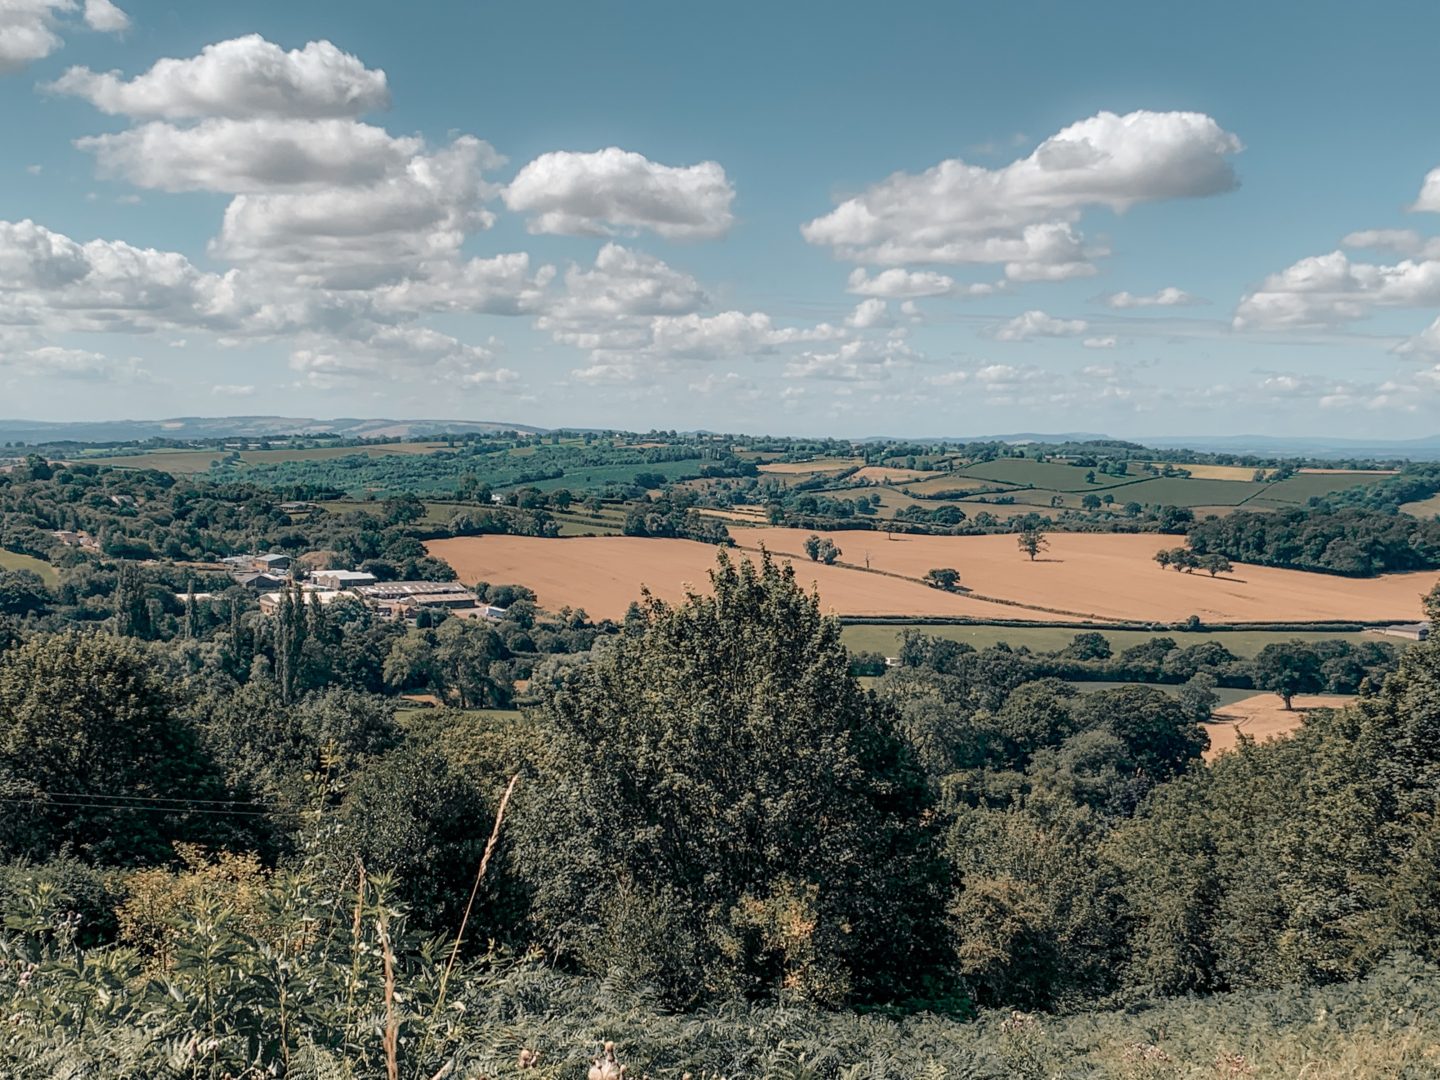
{"x": 239, "y": 427}
{"x": 1426, "y": 449}
{"x": 259, "y": 427}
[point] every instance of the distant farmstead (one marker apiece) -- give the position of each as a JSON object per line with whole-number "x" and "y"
{"x": 341, "y": 579}
{"x": 1409, "y": 631}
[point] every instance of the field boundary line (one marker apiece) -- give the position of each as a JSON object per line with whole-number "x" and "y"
{"x": 920, "y": 581}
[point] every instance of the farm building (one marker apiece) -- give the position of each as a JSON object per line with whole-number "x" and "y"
{"x": 261, "y": 582}
{"x": 273, "y": 562}
{"x": 484, "y": 611}
{"x": 341, "y": 579}
{"x": 1409, "y": 631}
{"x": 401, "y": 590}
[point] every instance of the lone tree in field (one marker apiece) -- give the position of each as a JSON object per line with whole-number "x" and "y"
{"x": 942, "y": 578}
{"x": 1215, "y": 564}
{"x": 1288, "y": 668}
{"x": 720, "y": 809}
{"x": 1032, "y": 542}
{"x": 822, "y": 550}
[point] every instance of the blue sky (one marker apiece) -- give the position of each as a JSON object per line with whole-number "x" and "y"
{"x": 923, "y": 219}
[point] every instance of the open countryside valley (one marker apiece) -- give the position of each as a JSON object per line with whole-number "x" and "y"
{"x": 632, "y": 541}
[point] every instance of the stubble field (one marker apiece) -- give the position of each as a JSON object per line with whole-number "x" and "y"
{"x": 1082, "y": 576}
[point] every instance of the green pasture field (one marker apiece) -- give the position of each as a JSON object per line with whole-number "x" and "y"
{"x": 934, "y": 485}
{"x": 1041, "y": 474}
{"x": 1426, "y": 508}
{"x": 1300, "y": 488}
{"x": 574, "y": 522}
{"x": 1182, "y": 491}
{"x": 186, "y": 462}
{"x": 13, "y": 560}
{"x": 885, "y": 638}
{"x": 594, "y": 477}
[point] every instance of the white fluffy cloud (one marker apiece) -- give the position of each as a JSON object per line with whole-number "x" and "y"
{"x": 898, "y": 283}
{"x": 1023, "y": 215}
{"x": 318, "y": 195}
{"x": 611, "y": 192}
{"x": 1429, "y": 198}
{"x": 869, "y": 313}
{"x": 1326, "y": 292}
{"x": 30, "y": 29}
{"x": 1166, "y": 297}
{"x": 1033, "y": 324}
{"x": 625, "y": 283}
{"x": 104, "y": 16}
{"x": 363, "y": 233}
{"x": 55, "y": 362}
{"x": 398, "y": 352}
{"x": 1331, "y": 290}
{"x": 244, "y": 78}
{"x": 265, "y": 154}
{"x": 862, "y": 361}
{"x": 47, "y": 279}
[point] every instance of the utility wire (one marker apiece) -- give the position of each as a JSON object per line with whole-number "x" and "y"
{"x": 41, "y": 803}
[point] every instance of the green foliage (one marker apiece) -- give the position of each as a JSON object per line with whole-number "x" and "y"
{"x": 1288, "y": 669}
{"x": 943, "y": 577}
{"x": 718, "y": 801}
{"x": 94, "y": 757}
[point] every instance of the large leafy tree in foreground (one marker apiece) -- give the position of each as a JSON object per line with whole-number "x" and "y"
{"x": 93, "y": 756}
{"x": 720, "y": 808}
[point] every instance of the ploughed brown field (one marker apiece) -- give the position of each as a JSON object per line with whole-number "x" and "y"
{"x": 1082, "y": 575}
{"x": 1264, "y": 717}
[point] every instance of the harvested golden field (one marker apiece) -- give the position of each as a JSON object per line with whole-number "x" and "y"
{"x": 885, "y": 474}
{"x": 1350, "y": 472}
{"x": 745, "y": 515}
{"x": 1214, "y": 472}
{"x": 603, "y": 574}
{"x": 1082, "y": 576}
{"x": 1264, "y": 717}
{"x": 1107, "y": 576}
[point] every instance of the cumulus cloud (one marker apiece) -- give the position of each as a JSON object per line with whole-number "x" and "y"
{"x": 1033, "y": 324}
{"x": 1425, "y": 343}
{"x": 264, "y": 154}
{"x": 48, "y": 279}
{"x": 863, "y": 361}
{"x": 364, "y": 233}
{"x": 244, "y": 78}
{"x": 1428, "y": 201}
{"x": 317, "y": 193}
{"x": 1331, "y": 290}
{"x": 1023, "y": 215}
{"x": 55, "y": 362}
{"x": 613, "y": 192}
{"x": 624, "y": 283}
{"x": 104, "y": 16}
{"x": 868, "y": 313}
{"x": 399, "y": 352}
{"x": 898, "y": 283}
{"x": 30, "y": 29}
{"x": 1166, "y": 297}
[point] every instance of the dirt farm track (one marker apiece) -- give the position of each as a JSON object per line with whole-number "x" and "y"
{"x": 1082, "y": 575}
